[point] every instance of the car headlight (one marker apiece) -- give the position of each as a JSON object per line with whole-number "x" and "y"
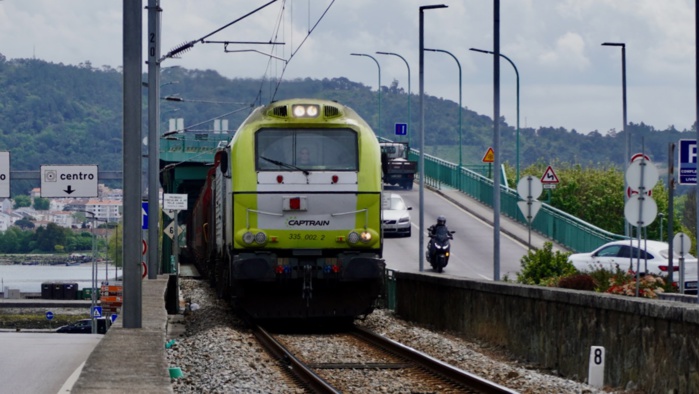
{"x": 248, "y": 238}
{"x": 404, "y": 220}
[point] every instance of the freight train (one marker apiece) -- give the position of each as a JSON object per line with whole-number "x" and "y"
{"x": 288, "y": 223}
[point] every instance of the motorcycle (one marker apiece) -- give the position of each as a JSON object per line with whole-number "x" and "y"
{"x": 438, "y": 249}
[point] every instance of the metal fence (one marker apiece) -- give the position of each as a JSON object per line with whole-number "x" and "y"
{"x": 476, "y": 182}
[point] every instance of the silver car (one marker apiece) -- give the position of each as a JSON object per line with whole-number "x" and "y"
{"x": 625, "y": 255}
{"x": 396, "y": 218}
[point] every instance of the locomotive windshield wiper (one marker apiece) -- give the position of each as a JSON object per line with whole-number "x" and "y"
{"x": 287, "y": 165}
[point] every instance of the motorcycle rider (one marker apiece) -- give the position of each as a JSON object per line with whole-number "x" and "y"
{"x": 435, "y": 229}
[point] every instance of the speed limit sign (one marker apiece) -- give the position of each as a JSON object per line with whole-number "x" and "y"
{"x": 144, "y": 249}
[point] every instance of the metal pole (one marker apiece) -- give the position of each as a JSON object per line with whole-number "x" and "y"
{"x": 132, "y": 63}
{"x": 671, "y": 202}
{"x": 153, "y": 138}
{"x": 696, "y": 81}
{"x": 496, "y": 140}
{"x": 409, "y": 106}
{"x": 460, "y": 143}
{"x": 379, "y": 66}
{"x": 94, "y": 278}
{"x": 627, "y": 154}
{"x": 421, "y": 47}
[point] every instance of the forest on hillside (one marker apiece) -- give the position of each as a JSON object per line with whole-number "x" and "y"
{"x": 63, "y": 114}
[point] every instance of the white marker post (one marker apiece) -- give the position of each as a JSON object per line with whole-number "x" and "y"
{"x": 595, "y": 373}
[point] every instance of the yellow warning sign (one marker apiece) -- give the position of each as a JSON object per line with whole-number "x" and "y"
{"x": 489, "y": 156}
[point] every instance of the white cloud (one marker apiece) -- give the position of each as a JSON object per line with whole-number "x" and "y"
{"x": 565, "y": 74}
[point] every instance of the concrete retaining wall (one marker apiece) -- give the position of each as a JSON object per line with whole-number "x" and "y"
{"x": 652, "y": 343}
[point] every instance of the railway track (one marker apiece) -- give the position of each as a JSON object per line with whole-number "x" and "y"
{"x": 359, "y": 360}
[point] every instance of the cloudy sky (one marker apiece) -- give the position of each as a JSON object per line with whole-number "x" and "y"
{"x": 567, "y": 79}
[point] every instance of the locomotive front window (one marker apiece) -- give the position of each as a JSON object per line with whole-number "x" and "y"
{"x": 307, "y": 149}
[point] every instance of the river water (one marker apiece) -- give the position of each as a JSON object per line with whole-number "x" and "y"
{"x": 28, "y": 278}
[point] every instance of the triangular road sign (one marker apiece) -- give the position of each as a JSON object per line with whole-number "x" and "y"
{"x": 549, "y": 176}
{"x": 489, "y": 156}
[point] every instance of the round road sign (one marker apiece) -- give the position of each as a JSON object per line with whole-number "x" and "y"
{"x": 529, "y": 187}
{"x": 144, "y": 248}
{"x": 637, "y": 210}
{"x": 49, "y": 314}
{"x": 681, "y": 243}
{"x": 633, "y": 175}
{"x": 144, "y": 270}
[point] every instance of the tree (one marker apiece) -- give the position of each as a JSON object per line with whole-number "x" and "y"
{"x": 41, "y": 204}
{"x": 114, "y": 246}
{"x": 24, "y": 224}
{"x": 22, "y": 201}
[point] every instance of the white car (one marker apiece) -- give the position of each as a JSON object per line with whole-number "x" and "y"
{"x": 396, "y": 218}
{"x": 625, "y": 254}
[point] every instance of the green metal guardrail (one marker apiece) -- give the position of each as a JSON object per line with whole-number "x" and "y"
{"x": 550, "y": 222}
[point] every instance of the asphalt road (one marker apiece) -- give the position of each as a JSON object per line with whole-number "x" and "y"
{"x": 41, "y": 362}
{"x": 472, "y": 248}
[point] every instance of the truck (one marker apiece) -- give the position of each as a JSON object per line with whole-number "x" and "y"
{"x": 397, "y": 169}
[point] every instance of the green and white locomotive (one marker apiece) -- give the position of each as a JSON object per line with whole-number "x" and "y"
{"x": 293, "y": 222}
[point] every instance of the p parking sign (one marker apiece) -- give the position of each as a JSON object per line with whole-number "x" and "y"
{"x": 687, "y": 162}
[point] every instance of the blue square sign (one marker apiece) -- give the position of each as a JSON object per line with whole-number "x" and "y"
{"x": 687, "y": 162}
{"x": 401, "y": 129}
{"x": 144, "y": 215}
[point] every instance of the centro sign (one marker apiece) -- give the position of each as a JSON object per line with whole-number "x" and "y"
{"x": 69, "y": 181}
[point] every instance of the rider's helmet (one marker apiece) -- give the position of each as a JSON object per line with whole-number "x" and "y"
{"x": 441, "y": 221}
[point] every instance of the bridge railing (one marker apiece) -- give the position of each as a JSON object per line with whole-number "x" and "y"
{"x": 550, "y": 222}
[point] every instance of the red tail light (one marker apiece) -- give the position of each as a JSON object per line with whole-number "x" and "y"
{"x": 664, "y": 268}
{"x": 295, "y": 203}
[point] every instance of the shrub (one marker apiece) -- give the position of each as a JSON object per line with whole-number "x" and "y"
{"x": 648, "y": 285}
{"x": 577, "y": 282}
{"x": 539, "y": 265}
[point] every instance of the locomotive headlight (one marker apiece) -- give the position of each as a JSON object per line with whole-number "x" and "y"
{"x": 366, "y": 236}
{"x": 248, "y": 238}
{"x": 305, "y": 111}
{"x": 353, "y": 237}
{"x": 261, "y": 238}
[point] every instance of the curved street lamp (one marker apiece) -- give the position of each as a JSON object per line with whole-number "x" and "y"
{"x": 459, "y": 65}
{"x": 627, "y": 157}
{"x": 517, "y": 75}
{"x": 379, "y": 66}
{"x": 407, "y": 65}
{"x": 421, "y": 167}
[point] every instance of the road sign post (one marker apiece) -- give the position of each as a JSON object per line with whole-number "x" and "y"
{"x": 640, "y": 209}
{"x": 529, "y": 189}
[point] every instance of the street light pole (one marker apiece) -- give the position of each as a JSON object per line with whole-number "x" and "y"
{"x": 408, "y": 66}
{"x": 379, "y": 66}
{"x": 421, "y": 246}
{"x": 517, "y": 75}
{"x": 627, "y": 156}
{"x": 459, "y": 65}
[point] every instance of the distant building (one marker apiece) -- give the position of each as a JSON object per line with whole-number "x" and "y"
{"x": 61, "y": 218}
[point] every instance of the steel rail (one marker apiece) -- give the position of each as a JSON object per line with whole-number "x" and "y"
{"x": 295, "y": 367}
{"x": 453, "y": 374}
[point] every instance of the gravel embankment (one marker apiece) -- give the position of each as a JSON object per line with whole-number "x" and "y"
{"x": 217, "y": 354}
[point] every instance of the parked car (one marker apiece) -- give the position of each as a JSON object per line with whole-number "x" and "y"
{"x": 396, "y": 218}
{"x": 625, "y": 255}
{"x": 84, "y": 326}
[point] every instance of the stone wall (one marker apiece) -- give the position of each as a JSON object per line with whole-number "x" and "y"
{"x": 652, "y": 345}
